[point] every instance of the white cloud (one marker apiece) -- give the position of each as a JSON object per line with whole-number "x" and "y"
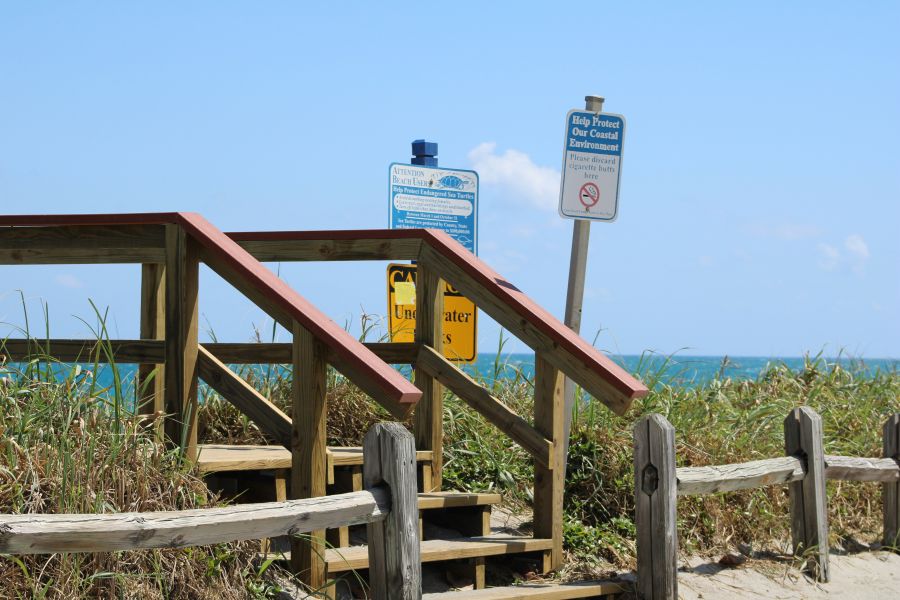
{"x": 829, "y": 256}
{"x": 516, "y": 172}
{"x": 856, "y": 245}
{"x": 855, "y": 255}
{"x": 69, "y": 281}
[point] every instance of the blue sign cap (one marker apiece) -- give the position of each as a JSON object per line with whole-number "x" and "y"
{"x": 425, "y": 161}
{"x": 423, "y": 148}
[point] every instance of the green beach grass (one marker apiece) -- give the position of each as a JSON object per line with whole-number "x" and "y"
{"x": 68, "y": 446}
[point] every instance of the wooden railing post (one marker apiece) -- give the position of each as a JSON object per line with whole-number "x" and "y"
{"x": 655, "y": 496}
{"x": 890, "y": 491}
{"x": 308, "y": 448}
{"x": 429, "y": 415}
{"x": 395, "y": 565}
{"x": 149, "y": 395}
{"x": 809, "y": 516}
{"x": 549, "y": 482}
{"x": 181, "y": 330}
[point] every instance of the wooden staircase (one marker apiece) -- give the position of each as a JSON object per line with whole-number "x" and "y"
{"x": 455, "y": 527}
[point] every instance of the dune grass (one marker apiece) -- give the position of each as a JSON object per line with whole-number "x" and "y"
{"x": 68, "y": 445}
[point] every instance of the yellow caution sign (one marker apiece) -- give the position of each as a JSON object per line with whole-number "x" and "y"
{"x": 460, "y": 315}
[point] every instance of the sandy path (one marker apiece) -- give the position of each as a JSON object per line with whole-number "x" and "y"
{"x": 868, "y": 576}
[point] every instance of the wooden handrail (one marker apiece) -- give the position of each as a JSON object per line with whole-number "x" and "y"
{"x": 236, "y": 265}
{"x": 499, "y": 298}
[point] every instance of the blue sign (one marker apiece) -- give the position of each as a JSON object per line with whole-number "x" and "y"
{"x": 435, "y": 198}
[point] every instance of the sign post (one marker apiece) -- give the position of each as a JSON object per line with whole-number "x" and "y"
{"x": 589, "y": 191}
{"x": 422, "y": 195}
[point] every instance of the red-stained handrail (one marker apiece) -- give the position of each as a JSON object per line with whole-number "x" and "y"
{"x": 372, "y": 374}
{"x": 508, "y": 294}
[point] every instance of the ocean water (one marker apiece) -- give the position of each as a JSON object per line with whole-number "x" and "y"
{"x": 686, "y": 370}
{"x": 691, "y": 371}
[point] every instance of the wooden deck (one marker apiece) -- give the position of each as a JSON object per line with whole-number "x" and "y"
{"x": 216, "y": 458}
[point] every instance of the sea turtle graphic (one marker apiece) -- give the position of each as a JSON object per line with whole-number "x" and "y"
{"x": 453, "y": 182}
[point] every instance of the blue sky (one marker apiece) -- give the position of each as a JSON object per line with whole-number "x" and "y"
{"x": 759, "y": 198}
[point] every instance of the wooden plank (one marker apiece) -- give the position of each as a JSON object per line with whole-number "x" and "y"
{"x": 245, "y": 397}
{"x": 379, "y": 380}
{"x": 181, "y": 344}
{"x": 512, "y": 309}
{"x": 740, "y": 476}
{"x": 476, "y": 396}
{"x": 655, "y": 508}
{"x": 226, "y": 457}
{"x": 809, "y": 515}
{"x": 890, "y": 492}
{"x": 320, "y": 247}
{"x": 151, "y": 376}
{"x": 308, "y": 477}
{"x": 429, "y": 416}
{"x": 549, "y": 481}
{"x": 66, "y": 245}
{"x": 440, "y": 500}
{"x": 849, "y": 468}
{"x": 84, "y": 350}
{"x": 357, "y": 557}
{"x": 536, "y": 591}
{"x": 52, "y": 533}
{"x": 280, "y": 353}
{"x": 395, "y": 566}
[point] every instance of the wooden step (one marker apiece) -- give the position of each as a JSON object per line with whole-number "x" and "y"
{"x": 535, "y": 591}
{"x": 438, "y": 500}
{"x": 215, "y": 458}
{"x": 357, "y": 557}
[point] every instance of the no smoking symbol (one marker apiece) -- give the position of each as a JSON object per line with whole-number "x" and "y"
{"x": 589, "y": 194}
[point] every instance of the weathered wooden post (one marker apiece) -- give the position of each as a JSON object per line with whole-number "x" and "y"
{"x": 308, "y": 448}
{"x": 549, "y": 482}
{"x": 395, "y": 564}
{"x": 149, "y": 395}
{"x": 890, "y": 491}
{"x": 181, "y": 331}
{"x": 809, "y": 515}
{"x": 429, "y": 415}
{"x": 655, "y": 494}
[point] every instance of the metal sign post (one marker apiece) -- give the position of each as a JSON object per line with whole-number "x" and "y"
{"x": 594, "y": 182}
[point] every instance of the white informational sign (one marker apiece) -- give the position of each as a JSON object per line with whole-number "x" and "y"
{"x": 429, "y": 197}
{"x": 592, "y": 163}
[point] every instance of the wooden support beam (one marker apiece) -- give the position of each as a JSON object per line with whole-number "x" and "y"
{"x": 151, "y": 376}
{"x": 84, "y": 350}
{"x": 324, "y": 248}
{"x": 476, "y": 396}
{"x": 429, "y": 415}
{"x": 182, "y": 326}
{"x": 395, "y": 563}
{"x": 549, "y": 481}
{"x": 655, "y": 508}
{"x": 308, "y": 448}
{"x": 280, "y": 353}
{"x": 890, "y": 492}
{"x": 83, "y": 244}
{"x": 809, "y": 515}
{"x": 245, "y": 397}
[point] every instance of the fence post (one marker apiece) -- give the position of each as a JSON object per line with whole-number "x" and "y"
{"x": 549, "y": 481}
{"x": 655, "y": 495}
{"x": 890, "y": 491}
{"x": 395, "y": 564}
{"x": 809, "y": 516}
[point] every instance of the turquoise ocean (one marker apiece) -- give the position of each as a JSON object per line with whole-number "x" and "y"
{"x": 679, "y": 370}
